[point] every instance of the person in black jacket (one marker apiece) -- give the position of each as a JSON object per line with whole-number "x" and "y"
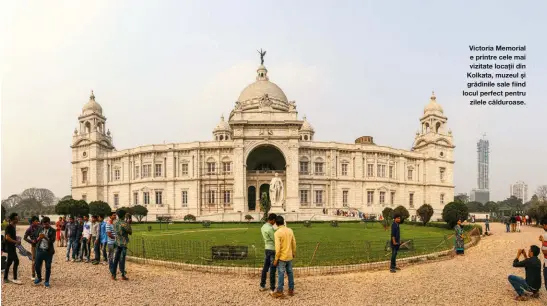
{"x": 78, "y": 238}
{"x": 395, "y": 242}
{"x": 45, "y": 248}
{"x": 532, "y": 267}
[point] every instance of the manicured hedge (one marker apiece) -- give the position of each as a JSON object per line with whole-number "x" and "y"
{"x": 466, "y": 228}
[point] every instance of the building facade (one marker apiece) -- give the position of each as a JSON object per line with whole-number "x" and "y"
{"x": 262, "y": 136}
{"x": 519, "y": 190}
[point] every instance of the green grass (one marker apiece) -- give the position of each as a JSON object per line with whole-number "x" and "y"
{"x": 350, "y": 243}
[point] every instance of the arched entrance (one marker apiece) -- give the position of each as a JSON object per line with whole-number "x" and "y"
{"x": 251, "y": 196}
{"x": 263, "y": 162}
{"x": 266, "y": 158}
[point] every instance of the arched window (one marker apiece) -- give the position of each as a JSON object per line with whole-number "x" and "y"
{"x": 88, "y": 127}
{"x": 437, "y": 127}
{"x": 305, "y": 137}
{"x": 221, "y": 137}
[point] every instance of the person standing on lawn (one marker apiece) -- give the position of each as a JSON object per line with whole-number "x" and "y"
{"x": 123, "y": 229}
{"x": 285, "y": 251}
{"x": 45, "y": 248}
{"x": 30, "y": 238}
{"x": 11, "y": 244}
{"x": 269, "y": 253}
{"x": 395, "y": 242}
{"x": 459, "y": 243}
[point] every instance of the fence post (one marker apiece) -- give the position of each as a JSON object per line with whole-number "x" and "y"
{"x": 313, "y": 256}
{"x": 143, "y": 250}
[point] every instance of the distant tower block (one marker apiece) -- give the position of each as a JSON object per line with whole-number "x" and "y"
{"x": 483, "y": 163}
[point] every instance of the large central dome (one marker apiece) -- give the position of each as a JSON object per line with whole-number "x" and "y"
{"x": 261, "y": 87}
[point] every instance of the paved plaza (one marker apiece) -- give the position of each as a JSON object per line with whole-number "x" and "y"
{"x": 478, "y": 278}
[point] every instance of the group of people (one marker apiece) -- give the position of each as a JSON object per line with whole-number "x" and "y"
{"x": 279, "y": 251}
{"x": 79, "y": 236}
{"x": 513, "y": 223}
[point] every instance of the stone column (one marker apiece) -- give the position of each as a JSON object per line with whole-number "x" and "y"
{"x": 240, "y": 175}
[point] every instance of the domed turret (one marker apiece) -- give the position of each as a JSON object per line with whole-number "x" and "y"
{"x": 92, "y": 106}
{"x": 433, "y": 107}
{"x": 222, "y": 131}
{"x": 306, "y": 131}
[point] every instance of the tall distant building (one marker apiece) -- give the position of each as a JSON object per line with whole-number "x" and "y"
{"x": 482, "y": 193}
{"x": 482, "y": 161}
{"x": 519, "y": 190}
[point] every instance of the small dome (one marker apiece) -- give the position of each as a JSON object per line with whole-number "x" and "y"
{"x": 433, "y": 106}
{"x": 222, "y": 126}
{"x": 92, "y": 106}
{"x": 306, "y": 126}
{"x": 262, "y": 86}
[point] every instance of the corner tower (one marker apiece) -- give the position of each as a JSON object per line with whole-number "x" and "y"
{"x": 90, "y": 144}
{"x": 436, "y": 143}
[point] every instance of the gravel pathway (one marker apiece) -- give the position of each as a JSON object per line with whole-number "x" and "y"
{"x": 478, "y": 278}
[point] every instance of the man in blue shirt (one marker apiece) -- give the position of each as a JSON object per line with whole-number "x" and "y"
{"x": 104, "y": 238}
{"x": 395, "y": 242}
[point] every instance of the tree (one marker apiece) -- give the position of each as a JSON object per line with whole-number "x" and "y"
{"x": 425, "y": 212}
{"x": 462, "y": 197}
{"x": 140, "y": 212}
{"x": 387, "y": 213}
{"x": 265, "y": 205}
{"x": 491, "y": 206}
{"x": 99, "y": 208}
{"x": 453, "y": 212}
{"x": 128, "y": 210}
{"x": 67, "y": 197}
{"x": 541, "y": 193}
{"x": 474, "y": 206}
{"x": 401, "y": 211}
{"x": 11, "y": 201}
{"x": 79, "y": 208}
{"x": 43, "y": 196}
{"x": 4, "y": 216}
{"x": 63, "y": 207}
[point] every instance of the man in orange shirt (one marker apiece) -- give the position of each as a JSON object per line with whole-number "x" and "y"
{"x": 285, "y": 251}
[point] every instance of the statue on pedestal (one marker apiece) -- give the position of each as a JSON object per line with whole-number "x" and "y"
{"x": 277, "y": 195}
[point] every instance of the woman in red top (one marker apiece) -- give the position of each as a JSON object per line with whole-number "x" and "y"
{"x": 58, "y": 232}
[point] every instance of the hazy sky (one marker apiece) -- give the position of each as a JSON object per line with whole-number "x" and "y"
{"x": 167, "y": 71}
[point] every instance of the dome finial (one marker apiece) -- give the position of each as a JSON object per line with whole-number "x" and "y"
{"x": 222, "y": 117}
{"x": 92, "y": 96}
{"x": 433, "y": 97}
{"x": 304, "y": 117}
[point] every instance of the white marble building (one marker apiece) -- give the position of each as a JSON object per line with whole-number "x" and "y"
{"x": 224, "y": 177}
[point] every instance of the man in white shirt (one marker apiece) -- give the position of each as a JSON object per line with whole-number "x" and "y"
{"x": 86, "y": 236}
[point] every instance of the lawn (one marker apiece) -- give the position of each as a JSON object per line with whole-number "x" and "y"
{"x": 317, "y": 245}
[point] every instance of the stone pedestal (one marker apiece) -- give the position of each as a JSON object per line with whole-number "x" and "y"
{"x": 277, "y": 210}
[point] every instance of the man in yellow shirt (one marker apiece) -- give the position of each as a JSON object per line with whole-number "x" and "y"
{"x": 285, "y": 251}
